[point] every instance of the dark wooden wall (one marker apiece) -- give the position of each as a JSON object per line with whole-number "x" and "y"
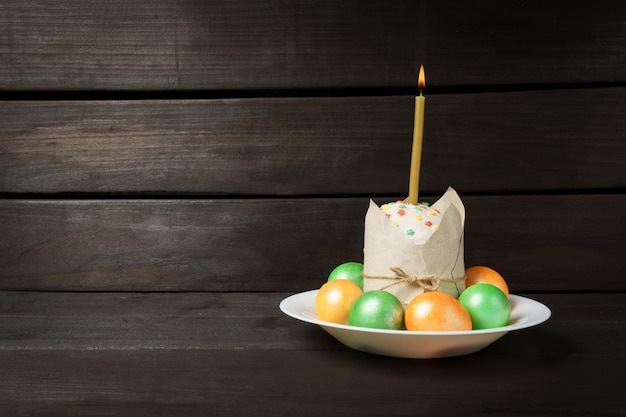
{"x": 232, "y": 146}
{"x": 170, "y": 170}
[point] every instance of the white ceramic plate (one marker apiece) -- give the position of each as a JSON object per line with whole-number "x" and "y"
{"x": 411, "y": 344}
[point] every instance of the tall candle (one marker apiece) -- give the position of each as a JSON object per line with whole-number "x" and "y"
{"x": 418, "y": 137}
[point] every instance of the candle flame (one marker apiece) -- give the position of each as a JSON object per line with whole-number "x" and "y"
{"x": 421, "y": 79}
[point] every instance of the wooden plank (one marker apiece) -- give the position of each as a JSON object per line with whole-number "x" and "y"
{"x": 303, "y": 383}
{"x": 163, "y": 45}
{"x": 540, "y": 243}
{"x": 567, "y": 365}
{"x": 526, "y": 141}
{"x": 535, "y": 239}
{"x": 249, "y": 321}
{"x": 257, "y": 146}
{"x": 43, "y": 321}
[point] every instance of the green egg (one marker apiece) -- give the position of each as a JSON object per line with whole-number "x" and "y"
{"x": 487, "y": 305}
{"x": 377, "y": 309}
{"x": 352, "y": 271}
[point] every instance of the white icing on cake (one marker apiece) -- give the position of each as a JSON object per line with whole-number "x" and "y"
{"x": 418, "y": 222}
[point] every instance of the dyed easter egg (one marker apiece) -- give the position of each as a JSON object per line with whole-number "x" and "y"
{"x": 484, "y": 274}
{"x": 487, "y": 305}
{"x": 335, "y": 299}
{"x": 436, "y": 312}
{"x": 377, "y": 309}
{"x": 352, "y": 271}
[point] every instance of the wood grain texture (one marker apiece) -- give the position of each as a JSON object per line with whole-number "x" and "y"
{"x": 252, "y": 44}
{"x": 493, "y": 142}
{"x": 540, "y": 243}
{"x": 102, "y": 321}
{"x": 305, "y": 383}
{"x": 41, "y": 321}
{"x": 566, "y": 365}
{"x": 171, "y": 170}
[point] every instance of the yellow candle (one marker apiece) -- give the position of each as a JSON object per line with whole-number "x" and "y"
{"x": 418, "y": 137}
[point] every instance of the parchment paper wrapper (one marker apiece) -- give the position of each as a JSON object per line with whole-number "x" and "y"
{"x": 387, "y": 247}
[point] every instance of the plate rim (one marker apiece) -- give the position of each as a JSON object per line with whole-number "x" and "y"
{"x": 544, "y": 313}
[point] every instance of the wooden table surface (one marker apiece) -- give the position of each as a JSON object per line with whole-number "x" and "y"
{"x": 193, "y": 354}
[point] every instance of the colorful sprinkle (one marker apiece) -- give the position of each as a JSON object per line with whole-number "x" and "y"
{"x": 416, "y": 221}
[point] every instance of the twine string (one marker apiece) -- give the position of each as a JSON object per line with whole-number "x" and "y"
{"x": 430, "y": 282}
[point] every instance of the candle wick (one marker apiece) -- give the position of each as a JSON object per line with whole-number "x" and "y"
{"x": 421, "y": 91}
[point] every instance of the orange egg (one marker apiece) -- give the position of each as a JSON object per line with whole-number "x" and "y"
{"x": 485, "y": 275}
{"x": 436, "y": 312}
{"x": 334, "y": 300}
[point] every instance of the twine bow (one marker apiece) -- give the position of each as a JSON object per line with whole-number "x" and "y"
{"x": 430, "y": 282}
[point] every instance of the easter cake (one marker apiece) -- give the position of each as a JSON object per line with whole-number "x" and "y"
{"x": 412, "y": 248}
